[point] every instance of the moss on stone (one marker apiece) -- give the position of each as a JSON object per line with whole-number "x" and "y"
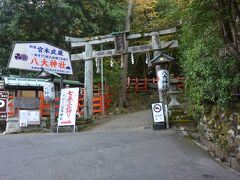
{"x": 238, "y": 157}
{"x": 221, "y": 127}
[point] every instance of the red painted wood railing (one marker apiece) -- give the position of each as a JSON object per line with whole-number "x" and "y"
{"x": 142, "y": 84}
{"x": 97, "y": 105}
{"x": 45, "y": 107}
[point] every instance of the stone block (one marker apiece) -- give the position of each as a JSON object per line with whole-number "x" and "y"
{"x": 237, "y": 140}
{"x": 31, "y": 128}
{"x": 12, "y": 126}
{"x": 238, "y": 157}
{"x": 209, "y": 135}
{"x": 238, "y": 127}
{"x": 234, "y": 164}
{"x": 231, "y": 132}
{"x": 43, "y": 122}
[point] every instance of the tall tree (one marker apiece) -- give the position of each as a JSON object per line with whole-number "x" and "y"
{"x": 144, "y": 15}
{"x": 229, "y": 17}
{"x": 124, "y": 59}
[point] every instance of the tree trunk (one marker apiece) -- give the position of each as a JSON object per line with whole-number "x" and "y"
{"x": 124, "y": 58}
{"x": 229, "y": 24}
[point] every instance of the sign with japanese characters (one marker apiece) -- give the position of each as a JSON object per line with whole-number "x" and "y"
{"x": 163, "y": 80}
{"x": 34, "y": 56}
{"x": 49, "y": 91}
{"x": 3, "y": 105}
{"x": 68, "y": 106}
{"x": 157, "y": 112}
{"x": 119, "y": 41}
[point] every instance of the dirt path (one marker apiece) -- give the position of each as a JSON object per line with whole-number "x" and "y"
{"x": 133, "y": 121}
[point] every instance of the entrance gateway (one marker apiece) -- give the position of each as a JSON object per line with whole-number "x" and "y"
{"x": 120, "y": 41}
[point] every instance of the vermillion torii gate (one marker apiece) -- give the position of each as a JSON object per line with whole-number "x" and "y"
{"x": 120, "y": 41}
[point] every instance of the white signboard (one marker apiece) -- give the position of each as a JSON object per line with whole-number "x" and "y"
{"x": 23, "y": 121}
{"x": 68, "y": 106}
{"x": 157, "y": 112}
{"x": 34, "y": 56}
{"x": 29, "y": 117}
{"x": 163, "y": 80}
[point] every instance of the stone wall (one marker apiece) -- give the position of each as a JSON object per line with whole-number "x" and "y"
{"x": 220, "y": 131}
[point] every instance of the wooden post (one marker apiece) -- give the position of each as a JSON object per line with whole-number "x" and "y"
{"x": 41, "y": 105}
{"x": 123, "y": 92}
{"x": 145, "y": 84}
{"x": 52, "y": 116}
{"x": 88, "y": 83}
{"x": 102, "y": 86}
{"x": 52, "y": 111}
{"x": 61, "y": 83}
{"x": 162, "y": 96}
{"x": 157, "y": 44}
{"x": 136, "y": 85}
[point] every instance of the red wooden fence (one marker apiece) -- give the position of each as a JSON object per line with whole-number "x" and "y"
{"x": 138, "y": 84}
{"x": 45, "y": 107}
{"x": 97, "y": 105}
{"x": 142, "y": 84}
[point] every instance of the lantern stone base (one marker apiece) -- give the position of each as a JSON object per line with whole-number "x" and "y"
{"x": 12, "y": 125}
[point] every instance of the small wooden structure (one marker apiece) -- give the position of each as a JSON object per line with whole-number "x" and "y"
{"x": 26, "y": 94}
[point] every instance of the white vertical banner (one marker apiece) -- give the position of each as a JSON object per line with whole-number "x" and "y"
{"x": 163, "y": 80}
{"x": 49, "y": 92}
{"x": 68, "y": 107}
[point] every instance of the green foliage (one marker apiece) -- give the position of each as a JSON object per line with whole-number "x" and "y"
{"x": 148, "y": 16}
{"x": 51, "y": 21}
{"x": 111, "y": 76}
{"x": 210, "y": 75}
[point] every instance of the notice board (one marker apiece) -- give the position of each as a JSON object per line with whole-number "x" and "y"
{"x": 29, "y": 117}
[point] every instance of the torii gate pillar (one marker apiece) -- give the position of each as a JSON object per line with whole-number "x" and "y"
{"x": 88, "y": 83}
